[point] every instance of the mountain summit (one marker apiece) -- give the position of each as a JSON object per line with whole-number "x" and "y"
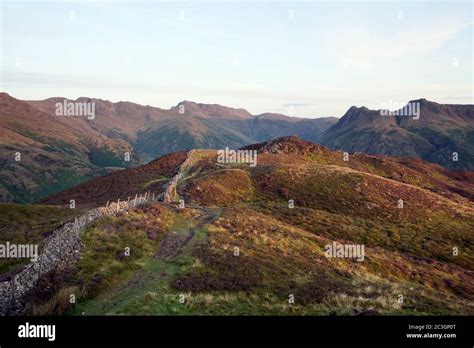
{"x": 292, "y": 145}
{"x": 441, "y": 133}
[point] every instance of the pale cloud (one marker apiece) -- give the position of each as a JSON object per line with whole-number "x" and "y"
{"x": 363, "y": 50}
{"x": 423, "y": 39}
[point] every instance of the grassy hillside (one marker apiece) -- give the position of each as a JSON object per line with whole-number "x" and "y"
{"x": 240, "y": 247}
{"x": 185, "y": 262}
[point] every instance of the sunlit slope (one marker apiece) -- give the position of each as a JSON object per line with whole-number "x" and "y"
{"x": 250, "y": 240}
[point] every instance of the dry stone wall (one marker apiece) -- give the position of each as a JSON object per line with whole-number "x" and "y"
{"x": 170, "y": 193}
{"x": 61, "y": 249}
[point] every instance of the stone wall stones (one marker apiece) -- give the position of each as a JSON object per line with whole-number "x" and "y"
{"x": 61, "y": 249}
{"x": 170, "y": 193}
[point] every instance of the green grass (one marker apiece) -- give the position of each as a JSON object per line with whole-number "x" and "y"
{"x": 276, "y": 260}
{"x": 144, "y": 289}
{"x": 433, "y": 238}
{"x": 105, "y": 244}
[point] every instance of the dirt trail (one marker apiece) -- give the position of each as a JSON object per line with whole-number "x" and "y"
{"x": 178, "y": 239}
{"x": 174, "y": 255}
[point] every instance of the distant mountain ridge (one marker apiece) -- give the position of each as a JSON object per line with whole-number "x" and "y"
{"x": 63, "y": 151}
{"x": 153, "y": 132}
{"x": 440, "y": 131}
{"x": 60, "y": 152}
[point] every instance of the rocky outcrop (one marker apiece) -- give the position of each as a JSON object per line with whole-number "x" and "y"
{"x": 291, "y": 145}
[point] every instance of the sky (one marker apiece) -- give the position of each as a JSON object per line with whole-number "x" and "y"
{"x": 306, "y": 59}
